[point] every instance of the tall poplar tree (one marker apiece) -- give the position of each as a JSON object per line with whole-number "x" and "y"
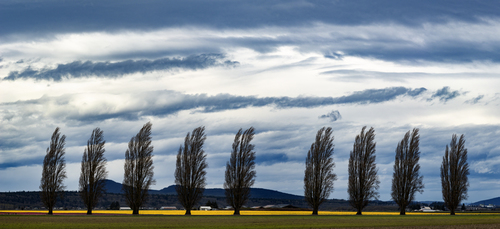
{"x": 406, "y": 179}
{"x": 93, "y": 171}
{"x": 190, "y": 169}
{"x": 240, "y": 170}
{"x": 54, "y": 171}
{"x": 454, "y": 172}
{"x": 362, "y": 169}
{"x": 318, "y": 175}
{"x": 138, "y": 176}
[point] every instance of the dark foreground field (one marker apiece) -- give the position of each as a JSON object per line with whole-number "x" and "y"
{"x": 103, "y": 221}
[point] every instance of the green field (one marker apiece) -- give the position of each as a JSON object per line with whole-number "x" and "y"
{"x": 143, "y": 221}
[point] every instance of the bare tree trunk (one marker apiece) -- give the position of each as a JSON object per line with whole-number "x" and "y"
{"x": 135, "y": 211}
{"x": 315, "y": 211}
{"x": 188, "y": 212}
{"x": 452, "y": 212}
{"x": 359, "y": 212}
{"x": 402, "y": 211}
{"x": 89, "y": 211}
{"x": 236, "y": 211}
{"x": 50, "y": 211}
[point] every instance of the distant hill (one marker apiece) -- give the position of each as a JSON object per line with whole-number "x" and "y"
{"x": 113, "y": 187}
{"x": 494, "y": 201}
{"x": 260, "y": 193}
{"x": 168, "y": 197}
{"x": 254, "y": 193}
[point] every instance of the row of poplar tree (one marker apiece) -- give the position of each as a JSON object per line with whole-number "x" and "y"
{"x": 240, "y": 173}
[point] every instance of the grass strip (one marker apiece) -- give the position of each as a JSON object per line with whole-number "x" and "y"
{"x": 148, "y": 221}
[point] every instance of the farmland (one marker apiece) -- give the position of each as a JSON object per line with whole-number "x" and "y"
{"x": 249, "y": 219}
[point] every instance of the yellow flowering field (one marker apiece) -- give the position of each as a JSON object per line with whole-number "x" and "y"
{"x": 230, "y": 212}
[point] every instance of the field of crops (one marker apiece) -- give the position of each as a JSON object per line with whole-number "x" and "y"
{"x": 249, "y": 219}
{"x": 223, "y": 212}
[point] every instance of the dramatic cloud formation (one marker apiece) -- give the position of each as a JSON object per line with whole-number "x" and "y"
{"x": 287, "y": 68}
{"x": 149, "y": 104}
{"x": 53, "y": 16}
{"x": 78, "y": 69}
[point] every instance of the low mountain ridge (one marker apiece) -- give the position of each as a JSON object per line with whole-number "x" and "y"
{"x": 494, "y": 201}
{"x": 259, "y": 193}
{"x": 114, "y": 187}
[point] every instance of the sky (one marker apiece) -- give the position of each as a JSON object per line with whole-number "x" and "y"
{"x": 287, "y": 68}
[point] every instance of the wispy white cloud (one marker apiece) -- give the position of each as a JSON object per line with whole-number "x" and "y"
{"x": 475, "y": 100}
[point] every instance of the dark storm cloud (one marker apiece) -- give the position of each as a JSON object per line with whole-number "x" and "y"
{"x": 446, "y": 94}
{"x": 28, "y": 16}
{"x": 79, "y": 69}
{"x": 332, "y": 116}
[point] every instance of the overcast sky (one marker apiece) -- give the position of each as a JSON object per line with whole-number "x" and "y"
{"x": 287, "y": 68}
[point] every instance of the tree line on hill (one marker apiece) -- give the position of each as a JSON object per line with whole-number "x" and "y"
{"x": 30, "y": 200}
{"x": 240, "y": 173}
